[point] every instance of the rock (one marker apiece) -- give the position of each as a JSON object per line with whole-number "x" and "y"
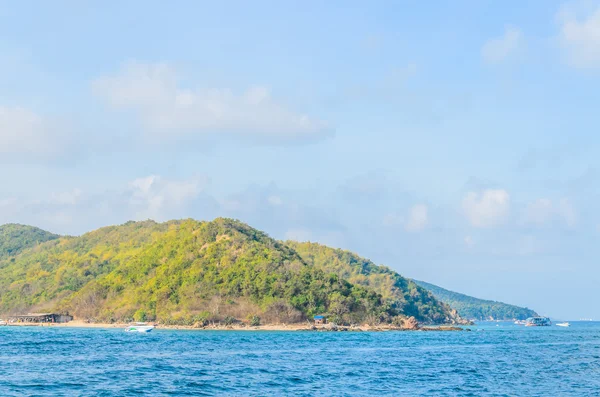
{"x": 443, "y": 328}
{"x": 410, "y": 323}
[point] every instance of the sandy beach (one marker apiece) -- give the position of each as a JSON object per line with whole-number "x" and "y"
{"x": 244, "y": 327}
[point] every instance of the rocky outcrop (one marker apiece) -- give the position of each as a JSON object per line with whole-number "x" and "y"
{"x": 410, "y": 323}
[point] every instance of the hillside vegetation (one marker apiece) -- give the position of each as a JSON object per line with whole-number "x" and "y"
{"x": 478, "y": 309}
{"x": 397, "y": 291}
{"x": 190, "y": 272}
{"x": 15, "y": 238}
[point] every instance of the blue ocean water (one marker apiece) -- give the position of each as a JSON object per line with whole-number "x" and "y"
{"x": 504, "y": 360}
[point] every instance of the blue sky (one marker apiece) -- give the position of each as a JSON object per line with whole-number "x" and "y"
{"x": 455, "y": 143}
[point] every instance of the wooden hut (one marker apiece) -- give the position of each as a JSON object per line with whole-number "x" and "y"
{"x": 41, "y": 318}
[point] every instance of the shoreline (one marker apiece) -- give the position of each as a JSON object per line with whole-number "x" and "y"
{"x": 243, "y": 327}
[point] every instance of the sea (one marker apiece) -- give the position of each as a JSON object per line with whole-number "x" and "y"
{"x": 493, "y": 359}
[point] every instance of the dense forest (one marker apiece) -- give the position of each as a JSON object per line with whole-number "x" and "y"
{"x": 15, "y": 238}
{"x": 189, "y": 272}
{"x": 478, "y": 309}
{"x": 397, "y": 291}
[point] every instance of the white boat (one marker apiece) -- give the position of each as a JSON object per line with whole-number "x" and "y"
{"x": 565, "y": 324}
{"x": 2, "y": 322}
{"x": 139, "y": 327}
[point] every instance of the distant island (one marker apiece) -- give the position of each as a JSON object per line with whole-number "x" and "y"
{"x": 194, "y": 273}
{"x": 478, "y": 309}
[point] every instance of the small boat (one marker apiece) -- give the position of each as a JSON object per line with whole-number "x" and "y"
{"x": 538, "y": 322}
{"x": 2, "y": 322}
{"x": 520, "y": 322}
{"x": 565, "y": 324}
{"x": 139, "y": 327}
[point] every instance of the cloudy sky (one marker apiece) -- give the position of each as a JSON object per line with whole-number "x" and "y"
{"x": 454, "y": 143}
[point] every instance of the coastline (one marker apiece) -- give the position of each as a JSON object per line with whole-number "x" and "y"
{"x": 244, "y": 327}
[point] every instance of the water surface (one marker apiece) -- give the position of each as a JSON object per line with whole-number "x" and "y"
{"x": 504, "y": 360}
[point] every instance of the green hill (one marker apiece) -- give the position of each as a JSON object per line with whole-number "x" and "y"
{"x": 397, "y": 291}
{"x": 15, "y": 238}
{"x": 187, "y": 272}
{"x": 478, "y": 309}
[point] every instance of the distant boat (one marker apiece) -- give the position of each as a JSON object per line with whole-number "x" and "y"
{"x": 139, "y": 327}
{"x": 565, "y": 324}
{"x": 520, "y": 322}
{"x": 2, "y": 322}
{"x": 538, "y": 322}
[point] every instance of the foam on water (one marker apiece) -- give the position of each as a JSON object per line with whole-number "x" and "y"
{"x": 501, "y": 361}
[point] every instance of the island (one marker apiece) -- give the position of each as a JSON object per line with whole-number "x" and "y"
{"x": 199, "y": 274}
{"x": 478, "y": 309}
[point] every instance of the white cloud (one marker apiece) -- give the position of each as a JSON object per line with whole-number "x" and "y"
{"x": 488, "y": 208}
{"x": 22, "y": 131}
{"x": 469, "y": 242}
{"x": 566, "y": 210}
{"x": 54, "y": 212}
{"x": 73, "y": 211}
{"x": 275, "y": 201}
{"x": 498, "y": 49}
{"x": 544, "y": 211}
{"x": 393, "y": 219}
{"x": 580, "y": 37}
{"x": 539, "y": 212}
{"x": 168, "y": 110}
{"x": 155, "y": 197}
{"x": 418, "y": 218}
{"x": 71, "y": 197}
{"x": 414, "y": 220}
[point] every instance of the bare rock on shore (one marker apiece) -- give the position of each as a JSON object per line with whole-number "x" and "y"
{"x": 444, "y": 328}
{"x": 410, "y": 324}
